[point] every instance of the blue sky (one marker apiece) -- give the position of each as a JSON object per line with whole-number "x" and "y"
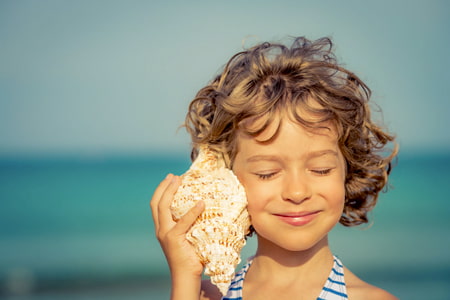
{"x": 115, "y": 77}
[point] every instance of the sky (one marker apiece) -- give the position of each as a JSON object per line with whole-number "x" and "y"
{"x": 95, "y": 78}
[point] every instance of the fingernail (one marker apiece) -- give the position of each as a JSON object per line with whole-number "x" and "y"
{"x": 168, "y": 176}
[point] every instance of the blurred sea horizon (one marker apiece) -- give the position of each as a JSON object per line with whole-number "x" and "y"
{"x": 81, "y": 228}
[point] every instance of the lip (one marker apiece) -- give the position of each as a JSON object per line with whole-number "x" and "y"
{"x": 297, "y": 218}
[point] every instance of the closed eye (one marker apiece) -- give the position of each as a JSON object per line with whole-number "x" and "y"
{"x": 322, "y": 171}
{"x": 265, "y": 176}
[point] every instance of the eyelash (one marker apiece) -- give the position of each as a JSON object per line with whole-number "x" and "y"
{"x": 318, "y": 172}
{"x": 265, "y": 176}
{"x": 322, "y": 172}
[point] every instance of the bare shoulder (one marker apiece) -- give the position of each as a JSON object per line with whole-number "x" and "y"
{"x": 360, "y": 290}
{"x": 209, "y": 291}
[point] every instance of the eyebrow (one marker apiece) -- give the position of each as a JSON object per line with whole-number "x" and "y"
{"x": 310, "y": 155}
{"x": 262, "y": 157}
{"x": 315, "y": 154}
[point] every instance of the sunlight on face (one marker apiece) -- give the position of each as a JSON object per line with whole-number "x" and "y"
{"x": 294, "y": 179}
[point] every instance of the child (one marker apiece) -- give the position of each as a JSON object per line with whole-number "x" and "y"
{"x": 295, "y": 128}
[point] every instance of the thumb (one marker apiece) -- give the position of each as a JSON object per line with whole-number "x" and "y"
{"x": 186, "y": 221}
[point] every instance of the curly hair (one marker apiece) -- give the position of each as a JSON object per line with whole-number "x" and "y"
{"x": 270, "y": 77}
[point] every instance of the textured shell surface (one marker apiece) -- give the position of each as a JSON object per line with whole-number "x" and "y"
{"x": 218, "y": 235}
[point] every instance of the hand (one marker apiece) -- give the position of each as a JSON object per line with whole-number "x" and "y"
{"x": 180, "y": 254}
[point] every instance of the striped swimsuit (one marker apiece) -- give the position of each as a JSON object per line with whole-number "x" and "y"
{"x": 334, "y": 288}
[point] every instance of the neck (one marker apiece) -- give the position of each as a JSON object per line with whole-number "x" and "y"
{"x": 272, "y": 259}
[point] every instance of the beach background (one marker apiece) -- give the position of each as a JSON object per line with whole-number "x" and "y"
{"x": 91, "y": 97}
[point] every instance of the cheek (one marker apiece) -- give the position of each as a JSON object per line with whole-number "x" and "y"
{"x": 338, "y": 197}
{"x": 256, "y": 207}
{"x": 333, "y": 192}
{"x": 256, "y": 195}
{"x": 337, "y": 189}
{"x": 254, "y": 203}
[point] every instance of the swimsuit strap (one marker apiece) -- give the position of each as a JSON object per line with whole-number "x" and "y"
{"x": 235, "y": 289}
{"x": 334, "y": 288}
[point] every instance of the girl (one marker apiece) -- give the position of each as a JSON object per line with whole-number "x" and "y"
{"x": 295, "y": 128}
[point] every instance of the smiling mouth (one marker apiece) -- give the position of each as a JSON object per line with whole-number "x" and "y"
{"x": 297, "y": 219}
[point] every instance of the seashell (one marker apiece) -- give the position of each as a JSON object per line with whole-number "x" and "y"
{"x": 218, "y": 235}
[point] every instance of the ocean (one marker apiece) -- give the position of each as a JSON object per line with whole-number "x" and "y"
{"x": 82, "y": 229}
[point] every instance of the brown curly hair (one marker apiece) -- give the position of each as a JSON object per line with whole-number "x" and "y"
{"x": 269, "y": 77}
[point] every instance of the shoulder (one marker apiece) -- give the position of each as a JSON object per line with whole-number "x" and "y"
{"x": 209, "y": 291}
{"x": 369, "y": 292}
{"x": 360, "y": 290}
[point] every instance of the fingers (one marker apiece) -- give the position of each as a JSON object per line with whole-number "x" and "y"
{"x": 157, "y": 197}
{"x": 164, "y": 214}
{"x": 189, "y": 218}
{"x": 160, "y": 206}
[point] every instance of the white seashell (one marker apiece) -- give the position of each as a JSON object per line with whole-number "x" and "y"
{"x": 218, "y": 234}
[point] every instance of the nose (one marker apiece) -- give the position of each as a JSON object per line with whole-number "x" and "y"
{"x": 296, "y": 188}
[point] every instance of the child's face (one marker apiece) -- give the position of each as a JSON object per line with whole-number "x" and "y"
{"x": 294, "y": 184}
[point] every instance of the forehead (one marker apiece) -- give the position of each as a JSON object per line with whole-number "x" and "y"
{"x": 303, "y": 108}
{"x": 267, "y": 127}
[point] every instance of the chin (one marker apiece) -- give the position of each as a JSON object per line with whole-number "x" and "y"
{"x": 288, "y": 243}
{"x": 299, "y": 247}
